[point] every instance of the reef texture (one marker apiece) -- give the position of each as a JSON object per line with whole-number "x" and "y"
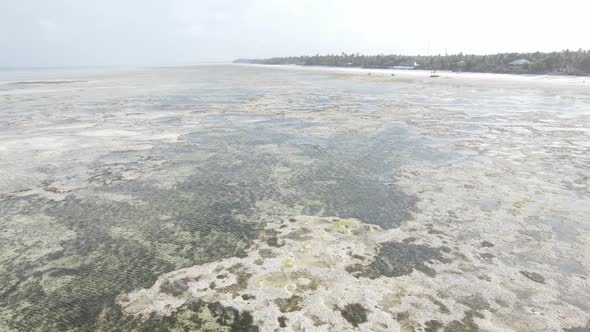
{"x": 239, "y": 198}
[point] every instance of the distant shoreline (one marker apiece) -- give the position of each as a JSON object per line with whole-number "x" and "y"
{"x": 566, "y": 63}
{"x": 501, "y": 80}
{"x": 556, "y": 74}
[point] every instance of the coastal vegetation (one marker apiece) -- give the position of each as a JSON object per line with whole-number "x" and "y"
{"x": 566, "y": 62}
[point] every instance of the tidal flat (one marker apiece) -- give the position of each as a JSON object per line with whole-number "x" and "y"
{"x": 252, "y": 198}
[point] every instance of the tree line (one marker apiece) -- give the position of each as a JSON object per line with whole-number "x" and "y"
{"x": 565, "y": 62}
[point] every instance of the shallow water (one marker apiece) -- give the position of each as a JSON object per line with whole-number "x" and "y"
{"x": 110, "y": 181}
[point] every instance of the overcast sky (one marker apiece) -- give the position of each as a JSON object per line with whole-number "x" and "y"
{"x": 143, "y": 32}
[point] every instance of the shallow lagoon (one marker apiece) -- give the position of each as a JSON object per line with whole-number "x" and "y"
{"x": 244, "y": 197}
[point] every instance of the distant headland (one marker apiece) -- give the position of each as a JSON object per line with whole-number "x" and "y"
{"x": 560, "y": 63}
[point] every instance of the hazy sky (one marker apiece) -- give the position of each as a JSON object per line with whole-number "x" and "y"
{"x": 127, "y": 32}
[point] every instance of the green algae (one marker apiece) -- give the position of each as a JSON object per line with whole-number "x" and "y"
{"x": 521, "y": 203}
{"x": 344, "y": 226}
{"x": 273, "y": 280}
{"x": 288, "y": 263}
{"x": 518, "y": 205}
{"x": 260, "y": 281}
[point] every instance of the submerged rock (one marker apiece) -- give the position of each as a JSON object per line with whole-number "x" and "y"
{"x": 487, "y": 244}
{"x": 534, "y": 276}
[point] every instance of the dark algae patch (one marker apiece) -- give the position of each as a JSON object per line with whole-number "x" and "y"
{"x": 354, "y": 313}
{"x": 486, "y": 244}
{"x": 348, "y": 177}
{"x": 433, "y": 326}
{"x": 396, "y": 259}
{"x": 293, "y": 303}
{"x": 282, "y": 321}
{"x": 193, "y": 316}
{"x": 467, "y": 324}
